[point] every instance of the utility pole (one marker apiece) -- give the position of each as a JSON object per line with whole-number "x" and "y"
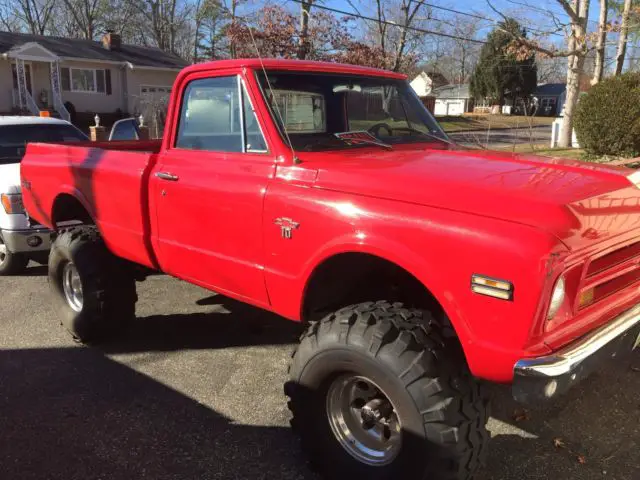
{"x": 305, "y": 10}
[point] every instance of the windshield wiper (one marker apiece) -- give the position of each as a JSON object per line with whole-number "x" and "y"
{"x": 359, "y": 137}
{"x": 430, "y": 135}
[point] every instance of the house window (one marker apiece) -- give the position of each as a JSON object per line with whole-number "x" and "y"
{"x": 85, "y": 80}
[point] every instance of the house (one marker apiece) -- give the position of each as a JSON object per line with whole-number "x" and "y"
{"x": 71, "y": 77}
{"x": 424, "y": 83}
{"x": 454, "y": 100}
{"x": 550, "y": 98}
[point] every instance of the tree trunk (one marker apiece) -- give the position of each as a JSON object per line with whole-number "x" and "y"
{"x": 575, "y": 70}
{"x": 232, "y": 46}
{"x": 305, "y": 10}
{"x": 600, "y": 46}
{"x": 622, "y": 40}
{"x": 565, "y": 138}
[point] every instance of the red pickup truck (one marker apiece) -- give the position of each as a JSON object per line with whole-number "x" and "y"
{"x": 328, "y": 194}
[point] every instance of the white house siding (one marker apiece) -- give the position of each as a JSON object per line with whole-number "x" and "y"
{"x": 138, "y": 77}
{"x": 97, "y": 102}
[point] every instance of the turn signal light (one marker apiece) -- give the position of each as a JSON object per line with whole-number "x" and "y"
{"x": 492, "y": 287}
{"x": 586, "y": 297}
{"x": 12, "y": 203}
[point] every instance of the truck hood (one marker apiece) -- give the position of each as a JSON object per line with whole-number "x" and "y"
{"x": 578, "y": 202}
{"x": 10, "y": 178}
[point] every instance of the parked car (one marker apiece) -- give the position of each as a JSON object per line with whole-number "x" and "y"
{"x": 328, "y": 194}
{"x": 21, "y": 239}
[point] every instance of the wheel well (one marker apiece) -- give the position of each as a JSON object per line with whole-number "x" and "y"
{"x": 350, "y": 278}
{"x": 66, "y": 208}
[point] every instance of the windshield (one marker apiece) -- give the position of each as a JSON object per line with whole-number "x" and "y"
{"x": 14, "y": 138}
{"x": 331, "y": 112}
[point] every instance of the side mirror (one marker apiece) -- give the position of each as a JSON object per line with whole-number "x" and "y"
{"x": 125, "y": 129}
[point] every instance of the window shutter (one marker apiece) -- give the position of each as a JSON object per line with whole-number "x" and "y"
{"x": 65, "y": 79}
{"x": 107, "y": 81}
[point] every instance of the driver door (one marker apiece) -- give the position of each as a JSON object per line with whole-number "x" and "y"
{"x": 210, "y": 186}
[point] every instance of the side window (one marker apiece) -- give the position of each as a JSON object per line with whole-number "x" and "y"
{"x": 255, "y": 140}
{"x": 125, "y": 129}
{"x": 210, "y": 116}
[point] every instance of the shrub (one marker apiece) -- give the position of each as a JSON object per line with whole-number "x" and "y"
{"x": 607, "y": 120}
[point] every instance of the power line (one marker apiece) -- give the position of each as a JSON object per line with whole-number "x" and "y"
{"x": 394, "y": 24}
{"x": 458, "y": 12}
{"x": 486, "y": 19}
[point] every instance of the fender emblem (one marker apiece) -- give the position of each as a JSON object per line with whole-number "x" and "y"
{"x": 287, "y": 226}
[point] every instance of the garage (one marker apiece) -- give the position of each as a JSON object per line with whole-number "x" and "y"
{"x": 449, "y": 107}
{"x": 452, "y": 100}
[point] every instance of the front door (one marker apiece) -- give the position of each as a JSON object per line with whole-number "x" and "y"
{"x": 27, "y": 76}
{"x": 210, "y": 187}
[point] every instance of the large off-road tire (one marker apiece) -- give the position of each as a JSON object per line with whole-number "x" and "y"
{"x": 11, "y": 263}
{"x": 93, "y": 290}
{"x": 376, "y": 392}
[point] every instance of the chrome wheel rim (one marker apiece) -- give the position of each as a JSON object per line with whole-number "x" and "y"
{"x": 72, "y": 287}
{"x": 3, "y": 251}
{"x": 363, "y": 420}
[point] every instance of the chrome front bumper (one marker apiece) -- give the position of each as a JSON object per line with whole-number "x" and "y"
{"x": 26, "y": 241}
{"x": 544, "y": 378}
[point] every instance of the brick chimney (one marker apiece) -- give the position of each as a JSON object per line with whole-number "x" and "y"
{"x": 111, "y": 40}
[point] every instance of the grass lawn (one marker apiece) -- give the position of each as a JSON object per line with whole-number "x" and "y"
{"x": 485, "y": 121}
{"x": 544, "y": 151}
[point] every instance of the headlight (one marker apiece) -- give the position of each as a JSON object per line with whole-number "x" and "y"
{"x": 557, "y": 297}
{"x": 12, "y": 203}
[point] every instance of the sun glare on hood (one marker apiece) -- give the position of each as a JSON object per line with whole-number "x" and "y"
{"x": 635, "y": 178}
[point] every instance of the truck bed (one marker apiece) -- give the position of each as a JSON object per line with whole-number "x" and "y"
{"x": 109, "y": 179}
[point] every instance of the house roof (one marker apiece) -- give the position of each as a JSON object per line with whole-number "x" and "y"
{"x": 550, "y": 89}
{"x": 92, "y": 50}
{"x": 437, "y": 78}
{"x": 452, "y": 91}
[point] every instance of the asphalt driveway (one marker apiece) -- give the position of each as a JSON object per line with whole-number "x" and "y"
{"x": 195, "y": 392}
{"x": 502, "y": 138}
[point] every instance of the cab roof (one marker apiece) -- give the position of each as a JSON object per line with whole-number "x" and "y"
{"x": 294, "y": 65}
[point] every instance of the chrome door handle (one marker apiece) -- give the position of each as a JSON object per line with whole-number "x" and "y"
{"x": 167, "y": 176}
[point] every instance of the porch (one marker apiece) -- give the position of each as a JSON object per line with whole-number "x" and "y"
{"x": 35, "y": 74}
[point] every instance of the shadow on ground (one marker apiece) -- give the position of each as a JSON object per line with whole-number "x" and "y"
{"x": 35, "y": 270}
{"x": 74, "y": 413}
{"x": 229, "y": 324}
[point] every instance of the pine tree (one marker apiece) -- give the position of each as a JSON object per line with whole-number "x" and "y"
{"x": 500, "y": 70}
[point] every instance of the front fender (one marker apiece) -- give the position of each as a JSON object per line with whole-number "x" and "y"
{"x": 440, "y": 248}
{"x": 393, "y": 251}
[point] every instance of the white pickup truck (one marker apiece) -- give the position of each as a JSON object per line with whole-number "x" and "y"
{"x": 20, "y": 239}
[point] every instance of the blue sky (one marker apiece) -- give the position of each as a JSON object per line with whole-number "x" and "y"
{"x": 532, "y": 13}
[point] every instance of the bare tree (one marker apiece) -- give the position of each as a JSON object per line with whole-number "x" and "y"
{"x": 601, "y": 42}
{"x": 622, "y": 39}
{"x": 551, "y": 70}
{"x": 391, "y": 34}
{"x": 36, "y": 15}
{"x": 9, "y": 22}
{"x": 577, "y": 49}
{"x": 87, "y": 17}
{"x": 409, "y": 9}
{"x": 165, "y": 21}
